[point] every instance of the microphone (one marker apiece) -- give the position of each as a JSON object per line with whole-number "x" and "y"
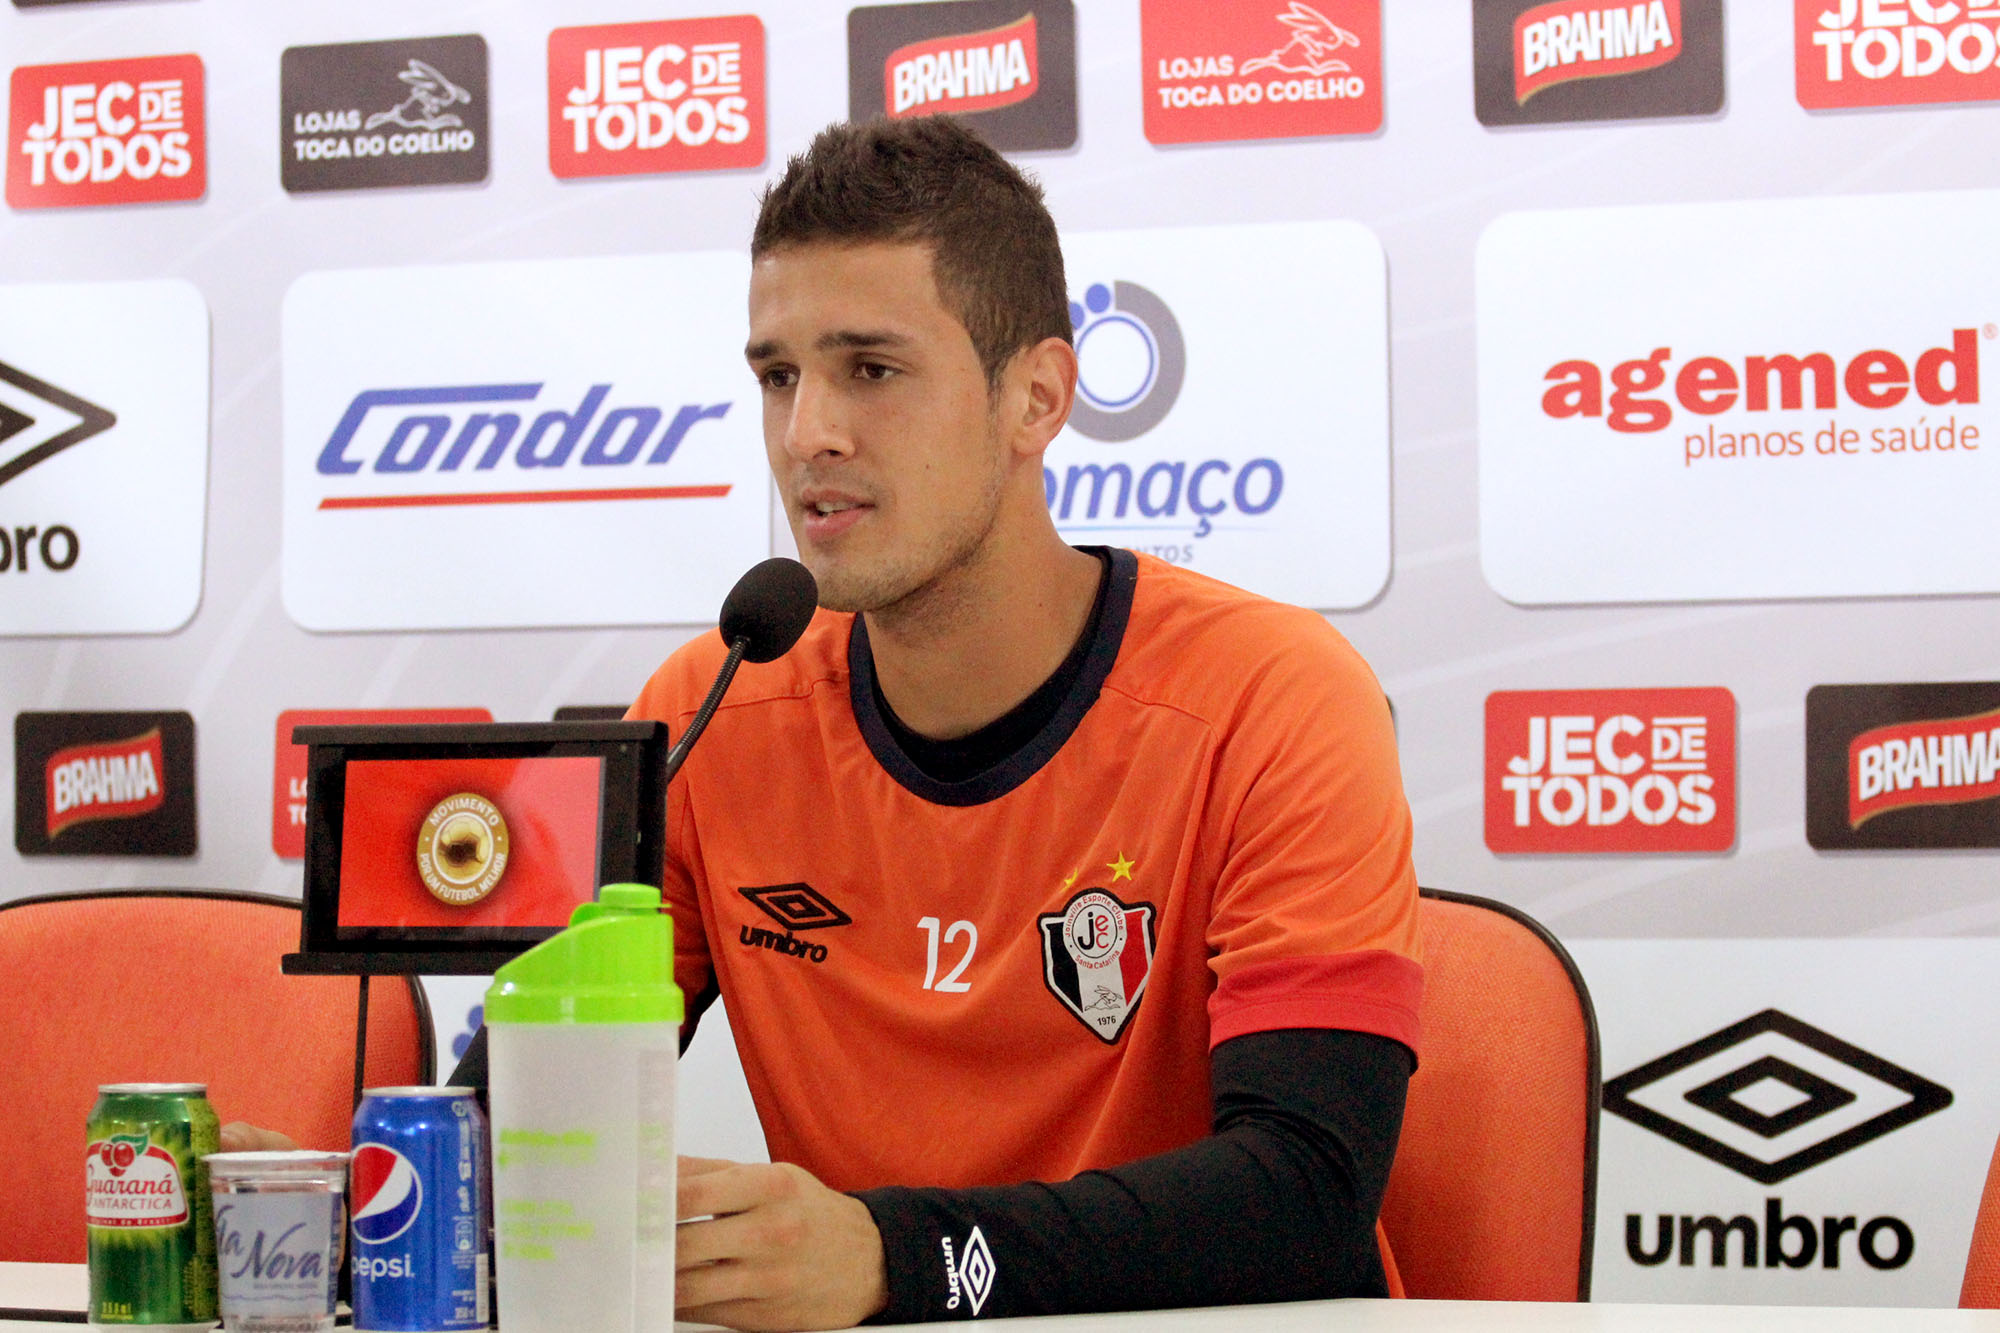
{"x": 762, "y": 617}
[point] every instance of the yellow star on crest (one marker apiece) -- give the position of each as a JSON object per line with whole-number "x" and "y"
{"x": 1071, "y": 880}
{"x": 1121, "y": 868}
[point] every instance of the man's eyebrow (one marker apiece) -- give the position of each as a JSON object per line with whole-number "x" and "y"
{"x": 826, "y": 342}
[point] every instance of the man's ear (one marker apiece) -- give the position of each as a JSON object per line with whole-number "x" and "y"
{"x": 1039, "y": 394}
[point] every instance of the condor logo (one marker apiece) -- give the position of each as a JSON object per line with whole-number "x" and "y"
{"x": 104, "y": 783}
{"x": 1009, "y": 65}
{"x": 1542, "y": 61}
{"x": 1895, "y": 52}
{"x": 373, "y": 434}
{"x": 1611, "y": 770}
{"x": 106, "y": 132}
{"x": 561, "y": 446}
{"x": 1903, "y": 765}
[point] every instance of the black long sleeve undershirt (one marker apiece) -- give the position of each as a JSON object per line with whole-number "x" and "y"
{"x": 1278, "y": 1204}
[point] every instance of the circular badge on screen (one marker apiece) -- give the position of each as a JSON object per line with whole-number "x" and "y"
{"x": 462, "y": 849}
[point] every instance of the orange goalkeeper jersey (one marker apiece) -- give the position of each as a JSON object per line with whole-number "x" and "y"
{"x": 1020, "y": 976}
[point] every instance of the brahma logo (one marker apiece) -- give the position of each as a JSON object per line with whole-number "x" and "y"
{"x": 1903, "y": 765}
{"x": 95, "y": 784}
{"x": 388, "y": 1193}
{"x": 1584, "y": 39}
{"x": 111, "y": 780}
{"x": 1009, "y": 66}
{"x": 684, "y": 95}
{"x": 106, "y": 132}
{"x": 973, "y": 72}
{"x": 1611, "y": 770}
{"x": 1851, "y": 53}
{"x": 1540, "y": 61}
{"x": 572, "y": 452}
{"x": 1215, "y": 72}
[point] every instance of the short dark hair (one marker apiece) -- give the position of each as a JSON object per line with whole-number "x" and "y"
{"x": 931, "y": 179}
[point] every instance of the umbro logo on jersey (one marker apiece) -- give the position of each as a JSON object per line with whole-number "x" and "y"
{"x": 1096, "y": 955}
{"x": 38, "y": 421}
{"x": 1771, "y": 1096}
{"x": 797, "y": 906}
{"x": 968, "y": 1276}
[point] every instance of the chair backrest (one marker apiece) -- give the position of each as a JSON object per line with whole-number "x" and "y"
{"x": 1494, "y": 1189}
{"x": 172, "y": 986}
{"x": 1981, "y": 1290}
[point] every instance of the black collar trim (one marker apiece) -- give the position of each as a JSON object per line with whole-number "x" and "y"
{"x": 1027, "y": 761}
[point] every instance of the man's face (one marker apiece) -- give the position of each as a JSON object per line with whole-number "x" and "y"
{"x": 877, "y": 420}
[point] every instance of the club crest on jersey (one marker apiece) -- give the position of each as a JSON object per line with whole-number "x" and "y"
{"x": 1096, "y": 955}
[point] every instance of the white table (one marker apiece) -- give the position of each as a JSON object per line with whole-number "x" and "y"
{"x": 62, "y": 1286}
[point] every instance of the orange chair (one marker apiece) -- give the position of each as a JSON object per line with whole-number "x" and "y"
{"x": 1493, "y": 1193}
{"x": 1981, "y": 1290}
{"x": 171, "y": 985}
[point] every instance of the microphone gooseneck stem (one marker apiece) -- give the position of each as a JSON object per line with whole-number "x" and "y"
{"x": 679, "y": 753}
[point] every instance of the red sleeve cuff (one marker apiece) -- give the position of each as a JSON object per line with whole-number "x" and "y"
{"x": 1371, "y": 990}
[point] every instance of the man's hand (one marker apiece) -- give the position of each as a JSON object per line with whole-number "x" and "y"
{"x": 240, "y": 1137}
{"x": 775, "y": 1249}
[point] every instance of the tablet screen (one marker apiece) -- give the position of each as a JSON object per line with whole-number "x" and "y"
{"x": 434, "y": 847}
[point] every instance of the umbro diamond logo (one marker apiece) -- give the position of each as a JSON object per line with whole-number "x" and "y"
{"x": 1772, "y": 1096}
{"x": 797, "y": 906}
{"x": 38, "y": 421}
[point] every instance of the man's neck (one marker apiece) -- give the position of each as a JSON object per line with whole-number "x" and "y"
{"x": 987, "y": 640}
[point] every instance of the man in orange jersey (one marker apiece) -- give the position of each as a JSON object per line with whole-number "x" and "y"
{"x": 1062, "y": 898}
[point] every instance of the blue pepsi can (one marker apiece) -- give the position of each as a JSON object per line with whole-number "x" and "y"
{"x": 421, "y": 1211}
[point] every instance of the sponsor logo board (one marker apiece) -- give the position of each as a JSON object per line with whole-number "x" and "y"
{"x": 365, "y": 114}
{"x": 582, "y": 447}
{"x": 103, "y": 456}
{"x": 106, "y": 132}
{"x": 1781, "y": 1117}
{"x": 1275, "y": 71}
{"x": 1851, "y": 53}
{"x": 1903, "y": 766}
{"x": 683, "y": 95}
{"x": 1729, "y": 419}
{"x": 1649, "y": 770}
{"x": 104, "y": 784}
{"x": 1189, "y": 438}
{"x": 1007, "y": 66}
{"x": 1542, "y": 61}
{"x": 288, "y": 776}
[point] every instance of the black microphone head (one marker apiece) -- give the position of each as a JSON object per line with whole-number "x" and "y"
{"x": 770, "y": 606}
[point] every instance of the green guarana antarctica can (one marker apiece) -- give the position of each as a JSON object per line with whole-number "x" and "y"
{"x": 147, "y": 1208}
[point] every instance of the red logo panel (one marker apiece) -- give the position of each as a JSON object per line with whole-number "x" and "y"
{"x": 288, "y": 778}
{"x": 1611, "y": 770}
{"x": 109, "y": 780}
{"x": 630, "y": 98}
{"x": 1895, "y": 52}
{"x": 106, "y": 132}
{"x": 1260, "y": 69}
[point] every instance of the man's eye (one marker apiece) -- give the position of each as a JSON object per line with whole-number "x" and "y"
{"x": 873, "y": 370}
{"x": 778, "y": 377}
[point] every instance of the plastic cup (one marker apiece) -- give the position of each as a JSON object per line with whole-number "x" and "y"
{"x": 279, "y": 1238}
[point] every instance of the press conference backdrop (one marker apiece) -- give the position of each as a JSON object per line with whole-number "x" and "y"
{"x": 1619, "y": 378}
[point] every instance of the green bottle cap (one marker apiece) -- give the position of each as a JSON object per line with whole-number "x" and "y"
{"x": 613, "y": 964}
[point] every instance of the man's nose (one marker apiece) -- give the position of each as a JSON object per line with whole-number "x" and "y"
{"x": 817, "y": 426}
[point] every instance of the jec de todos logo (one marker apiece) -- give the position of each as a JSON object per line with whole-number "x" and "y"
{"x": 681, "y": 95}
{"x": 1851, "y": 53}
{"x": 106, "y": 132}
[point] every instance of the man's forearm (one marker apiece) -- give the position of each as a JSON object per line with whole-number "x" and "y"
{"x": 1278, "y": 1204}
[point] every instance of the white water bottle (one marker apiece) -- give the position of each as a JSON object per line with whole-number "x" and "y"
{"x": 584, "y": 1037}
